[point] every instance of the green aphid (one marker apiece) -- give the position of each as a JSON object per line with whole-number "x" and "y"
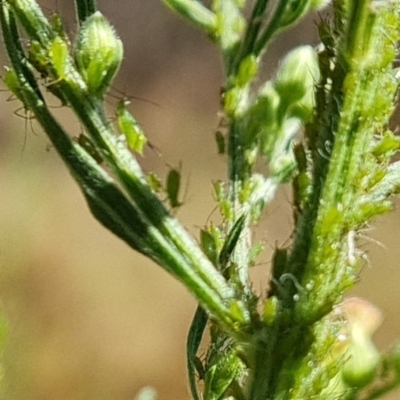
{"x": 90, "y": 148}
{"x": 209, "y": 245}
{"x": 221, "y": 145}
{"x": 51, "y": 66}
{"x": 59, "y": 54}
{"x": 128, "y": 125}
{"x": 38, "y": 58}
{"x": 10, "y": 79}
{"x": 173, "y": 187}
{"x": 154, "y": 182}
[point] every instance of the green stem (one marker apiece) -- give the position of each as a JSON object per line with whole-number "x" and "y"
{"x": 358, "y": 14}
{"x": 111, "y": 207}
{"x": 196, "y": 13}
{"x": 272, "y": 27}
{"x": 253, "y": 27}
{"x": 239, "y": 173}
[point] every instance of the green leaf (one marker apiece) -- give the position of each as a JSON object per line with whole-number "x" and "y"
{"x": 195, "y": 336}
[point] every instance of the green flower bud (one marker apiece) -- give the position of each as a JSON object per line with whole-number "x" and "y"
{"x": 261, "y": 117}
{"x": 226, "y": 367}
{"x": 297, "y": 75}
{"x": 282, "y": 161}
{"x": 248, "y": 68}
{"x": 363, "y": 319}
{"x": 98, "y": 53}
{"x": 360, "y": 368}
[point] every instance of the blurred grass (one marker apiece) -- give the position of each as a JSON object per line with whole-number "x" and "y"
{"x": 90, "y": 318}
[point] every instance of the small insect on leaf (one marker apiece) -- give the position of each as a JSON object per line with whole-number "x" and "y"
{"x": 38, "y": 58}
{"x": 209, "y": 245}
{"x": 173, "y": 186}
{"x": 10, "y": 79}
{"x": 128, "y": 125}
{"x": 221, "y": 145}
{"x": 154, "y": 182}
{"x": 90, "y": 148}
{"x": 59, "y": 54}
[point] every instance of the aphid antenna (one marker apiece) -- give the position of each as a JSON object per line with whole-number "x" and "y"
{"x": 362, "y": 234}
{"x": 121, "y": 95}
{"x": 212, "y": 212}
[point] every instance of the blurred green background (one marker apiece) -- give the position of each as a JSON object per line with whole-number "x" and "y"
{"x": 90, "y": 318}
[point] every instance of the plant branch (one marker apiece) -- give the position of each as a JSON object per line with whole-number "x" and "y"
{"x": 146, "y": 234}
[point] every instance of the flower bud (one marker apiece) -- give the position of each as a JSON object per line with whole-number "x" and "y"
{"x": 297, "y": 75}
{"x": 248, "y": 68}
{"x": 363, "y": 319}
{"x": 98, "y": 53}
{"x": 282, "y": 161}
{"x": 262, "y": 115}
{"x": 360, "y": 368}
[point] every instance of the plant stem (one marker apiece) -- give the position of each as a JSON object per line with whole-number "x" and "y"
{"x": 258, "y": 14}
{"x": 272, "y": 27}
{"x": 162, "y": 240}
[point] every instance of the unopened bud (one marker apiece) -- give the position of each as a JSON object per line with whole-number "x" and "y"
{"x": 248, "y": 68}
{"x": 98, "y": 53}
{"x": 360, "y": 368}
{"x": 363, "y": 319}
{"x": 297, "y": 75}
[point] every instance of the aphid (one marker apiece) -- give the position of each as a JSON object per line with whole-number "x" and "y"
{"x": 154, "y": 182}
{"x": 51, "y": 66}
{"x": 59, "y": 54}
{"x": 173, "y": 187}
{"x": 128, "y": 125}
{"x": 10, "y": 79}
{"x": 209, "y": 245}
{"x": 221, "y": 145}
{"x": 12, "y": 83}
